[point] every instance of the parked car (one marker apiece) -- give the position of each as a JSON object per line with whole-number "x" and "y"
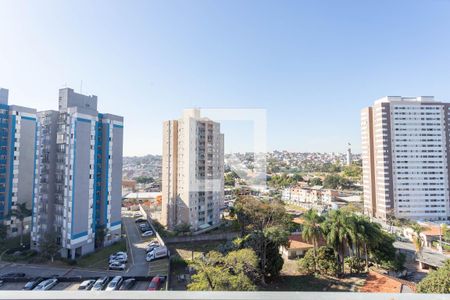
{"x": 13, "y": 275}
{"x": 86, "y": 285}
{"x": 32, "y": 284}
{"x": 123, "y": 258}
{"x": 117, "y": 265}
{"x": 140, "y": 220}
{"x": 127, "y": 284}
{"x": 153, "y": 242}
{"x": 119, "y": 259}
{"x": 144, "y": 229}
{"x": 155, "y": 284}
{"x": 46, "y": 285}
{"x": 137, "y": 215}
{"x": 100, "y": 284}
{"x": 118, "y": 255}
{"x": 114, "y": 284}
{"x": 148, "y": 233}
{"x": 157, "y": 253}
{"x": 151, "y": 247}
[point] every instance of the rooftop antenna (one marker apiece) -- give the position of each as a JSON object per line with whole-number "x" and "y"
{"x": 81, "y": 87}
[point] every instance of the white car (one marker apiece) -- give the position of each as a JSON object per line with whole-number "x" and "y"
{"x": 154, "y": 242}
{"x": 157, "y": 253}
{"x": 115, "y": 284}
{"x": 86, "y": 285}
{"x": 46, "y": 285}
{"x": 117, "y": 265}
{"x": 138, "y": 215}
{"x": 147, "y": 233}
{"x": 118, "y": 258}
{"x": 100, "y": 284}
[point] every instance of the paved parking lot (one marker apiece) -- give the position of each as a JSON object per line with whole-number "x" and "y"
{"x": 137, "y": 245}
{"x": 137, "y": 265}
{"x": 67, "y": 286}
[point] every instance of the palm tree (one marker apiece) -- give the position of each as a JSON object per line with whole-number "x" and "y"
{"x": 368, "y": 235}
{"x": 21, "y": 212}
{"x": 312, "y": 230}
{"x": 338, "y": 234}
{"x": 417, "y": 238}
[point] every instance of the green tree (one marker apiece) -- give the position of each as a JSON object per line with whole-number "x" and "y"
{"x": 337, "y": 229}
{"x": 49, "y": 246}
{"x": 352, "y": 171}
{"x": 232, "y": 272}
{"x": 312, "y": 231}
{"x": 445, "y": 233}
{"x": 100, "y": 234}
{"x": 144, "y": 179}
{"x": 230, "y": 178}
{"x": 324, "y": 259}
{"x": 437, "y": 282}
{"x": 384, "y": 254}
{"x": 336, "y": 182}
{"x": 20, "y": 213}
{"x": 315, "y": 181}
{"x": 3, "y": 231}
{"x": 263, "y": 228}
{"x": 182, "y": 228}
{"x": 417, "y": 238}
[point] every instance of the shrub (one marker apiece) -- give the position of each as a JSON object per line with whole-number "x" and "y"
{"x": 437, "y": 282}
{"x": 326, "y": 263}
{"x": 355, "y": 264}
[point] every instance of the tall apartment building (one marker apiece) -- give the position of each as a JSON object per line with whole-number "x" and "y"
{"x": 78, "y": 175}
{"x": 17, "y": 150}
{"x": 192, "y": 172}
{"x": 405, "y": 153}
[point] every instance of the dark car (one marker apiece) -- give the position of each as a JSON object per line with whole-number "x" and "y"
{"x": 140, "y": 220}
{"x": 13, "y": 275}
{"x": 32, "y": 284}
{"x": 127, "y": 284}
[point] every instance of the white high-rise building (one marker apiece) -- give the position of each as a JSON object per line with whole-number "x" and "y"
{"x": 192, "y": 172}
{"x": 405, "y": 153}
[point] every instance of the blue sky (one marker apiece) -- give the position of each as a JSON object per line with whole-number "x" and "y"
{"x": 312, "y": 64}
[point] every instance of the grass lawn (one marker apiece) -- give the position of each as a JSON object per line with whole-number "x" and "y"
{"x": 310, "y": 283}
{"x": 297, "y": 283}
{"x": 99, "y": 259}
{"x": 186, "y": 250}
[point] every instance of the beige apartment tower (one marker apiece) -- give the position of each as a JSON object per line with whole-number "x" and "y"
{"x": 405, "y": 154}
{"x": 192, "y": 172}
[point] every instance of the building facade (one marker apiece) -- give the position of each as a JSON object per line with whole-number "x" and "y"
{"x": 17, "y": 158}
{"x": 405, "y": 153}
{"x": 193, "y": 172}
{"x": 78, "y": 175}
{"x": 316, "y": 195}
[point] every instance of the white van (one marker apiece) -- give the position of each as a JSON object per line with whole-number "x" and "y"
{"x": 157, "y": 253}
